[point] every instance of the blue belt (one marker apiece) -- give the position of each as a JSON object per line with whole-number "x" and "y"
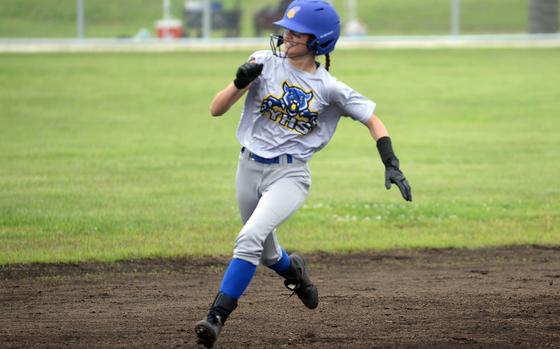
{"x": 267, "y": 161}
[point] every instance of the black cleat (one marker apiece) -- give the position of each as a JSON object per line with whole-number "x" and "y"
{"x": 208, "y": 330}
{"x": 302, "y": 285}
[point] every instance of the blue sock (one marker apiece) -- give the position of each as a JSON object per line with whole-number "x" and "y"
{"x": 282, "y": 264}
{"x": 237, "y": 277}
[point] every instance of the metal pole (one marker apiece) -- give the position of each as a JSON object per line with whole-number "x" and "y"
{"x": 207, "y": 20}
{"x": 166, "y": 9}
{"x": 80, "y": 19}
{"x": 352, "y": 10}
{"x": 455, "y": 17}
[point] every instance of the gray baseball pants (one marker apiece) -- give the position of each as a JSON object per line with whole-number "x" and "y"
{"x": 267, "y": 195}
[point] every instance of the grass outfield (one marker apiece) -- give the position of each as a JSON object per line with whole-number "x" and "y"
{"x": 104, "y": 18}
{"x": 111, "y": 156}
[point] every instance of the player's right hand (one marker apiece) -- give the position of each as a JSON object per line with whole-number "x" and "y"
{"x": 246, "y": 74}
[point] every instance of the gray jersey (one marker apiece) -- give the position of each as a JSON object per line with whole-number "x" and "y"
{"x": 289, "y": 111}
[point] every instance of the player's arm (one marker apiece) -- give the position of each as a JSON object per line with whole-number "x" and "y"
{"x": 227, "y": 97}
{"x": 393, "y": 174}
{"x": 376, "y": 128}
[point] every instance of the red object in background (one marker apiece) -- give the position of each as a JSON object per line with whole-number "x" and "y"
{"x": 169, "y": 29}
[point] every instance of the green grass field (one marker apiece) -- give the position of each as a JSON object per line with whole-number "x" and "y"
{"x": 112, "y": 156}
{"x": 105, "y": 18}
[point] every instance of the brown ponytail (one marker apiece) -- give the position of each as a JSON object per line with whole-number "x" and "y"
{"x": 327, "y": 61}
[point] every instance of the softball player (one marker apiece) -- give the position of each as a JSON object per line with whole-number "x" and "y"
{"x": 291, "y": 111}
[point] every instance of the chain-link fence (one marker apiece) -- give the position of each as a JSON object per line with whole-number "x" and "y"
{"x": 250, "y": 18}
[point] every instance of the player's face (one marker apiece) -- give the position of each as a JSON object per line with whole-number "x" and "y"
{"x": 295, "y": 44}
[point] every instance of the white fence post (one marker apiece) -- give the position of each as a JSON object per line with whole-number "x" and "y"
{"x": 166, "y": 9}
{"x": 207, "y": 20}
{"x": 80, "y": 19}
{"x": 455, "y": 17}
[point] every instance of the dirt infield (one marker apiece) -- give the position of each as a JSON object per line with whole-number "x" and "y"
{"x": 506, "y": 297}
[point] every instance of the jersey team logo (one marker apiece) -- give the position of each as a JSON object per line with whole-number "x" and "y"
{"x": 291, "y": 110}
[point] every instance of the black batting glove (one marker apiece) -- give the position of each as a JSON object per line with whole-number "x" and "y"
{"x": 394, "y": 175}
{"x": 392, "y": 172}
{"x": 246, "y": 74}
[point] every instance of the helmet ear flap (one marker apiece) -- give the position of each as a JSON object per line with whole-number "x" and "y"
{"x": 326, "y": 43}
{"x": 316, "y": 47}
{"x": 313, "y": 44}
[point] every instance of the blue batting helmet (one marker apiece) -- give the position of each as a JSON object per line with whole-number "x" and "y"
{"x": 313, "y": 17}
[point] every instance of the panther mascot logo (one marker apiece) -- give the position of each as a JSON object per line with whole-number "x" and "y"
{"x": 291, "y": 110}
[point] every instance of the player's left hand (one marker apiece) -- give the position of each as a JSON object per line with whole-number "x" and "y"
{"x": 394, "y": 175}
